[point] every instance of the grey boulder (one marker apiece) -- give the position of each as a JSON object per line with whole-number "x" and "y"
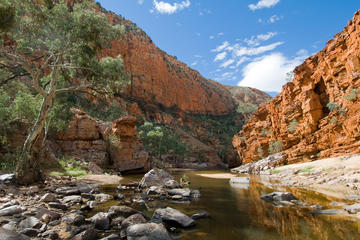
{"x": 147, "y": 231}
{"x": 172, "y": 217}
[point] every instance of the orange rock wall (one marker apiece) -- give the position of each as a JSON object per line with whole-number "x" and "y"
{"x": 160, "y": 79}
{"x": 299, "y": 117}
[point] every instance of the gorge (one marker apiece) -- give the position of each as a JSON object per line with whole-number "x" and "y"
{"x": 132, "y": 143}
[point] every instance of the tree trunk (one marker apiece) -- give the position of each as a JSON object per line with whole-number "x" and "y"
{"x": 28, "y": 170}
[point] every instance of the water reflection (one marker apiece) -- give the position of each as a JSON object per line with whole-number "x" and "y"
{"x": 238, "y": 213}
{"x": 292, "y": 223}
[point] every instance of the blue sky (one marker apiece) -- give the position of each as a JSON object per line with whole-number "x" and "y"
{"x": 239, "y": 42}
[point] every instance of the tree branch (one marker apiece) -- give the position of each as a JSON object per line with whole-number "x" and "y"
{"x": 81, "y": 88}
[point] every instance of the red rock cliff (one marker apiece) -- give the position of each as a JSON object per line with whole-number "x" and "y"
{"x": 318, "y": 114}
{"x": 160, "y": 79}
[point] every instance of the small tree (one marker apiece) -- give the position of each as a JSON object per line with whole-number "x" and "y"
{"x": 289, "y": 76}
{"x": 293, "y": 125}
{"x": 53, "y": 47}
{"x": 275, "y": 147}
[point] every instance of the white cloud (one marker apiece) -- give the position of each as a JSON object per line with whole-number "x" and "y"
{"x": 211, "y": 37}
{"x": 263, "y": 4}
{"x": 197, "y": 56}
{"x": 274, "y": 18}
{"x": 255, "y": 40}
{"x": 268, "y": 73}
{"x": 242, "y": 60}
{"x": 220, "y": 56}
{"x": 227, "y": 63}
{"x": 168, "y": 8}
{"x": 220, "y": 34}
{"x": 252, "y": 51}
{"x": 194, "y": 63}
{"x": 140, "y": 2}
{"x": 221, "y": 47}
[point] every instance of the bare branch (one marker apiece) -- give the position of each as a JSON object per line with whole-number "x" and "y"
{"x": 82, "y": 88}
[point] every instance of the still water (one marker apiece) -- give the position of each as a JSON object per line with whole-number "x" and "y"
{"x": 238, "y": 213}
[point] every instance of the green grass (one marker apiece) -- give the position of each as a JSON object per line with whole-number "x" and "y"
{"x": 275, "y": 171}
{"x": 70, "y": 167}
{"x": 306, "y": 169}
{"x": 72, "y": 173}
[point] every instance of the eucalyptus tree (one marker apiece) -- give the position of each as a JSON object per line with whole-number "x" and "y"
{"x": 54, "y": 47}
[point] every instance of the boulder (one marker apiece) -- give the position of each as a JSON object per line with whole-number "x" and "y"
{"x": 94, "y": 168}
{"x": 49, "y": 197}
{"x": 40, "y": 212}
{"x": 9, "y": 211}
{"x": 171, "y": 183}
{"x": 88, "y": 234}
{"x": 172, "y": 217}
{"x": 7, "y": 178}
{"x": 11, "y": 235}
{"x": 155, "y": 177}
{"x": 184, "y": 192}
{"x": 278, "y": 196}
{"x": 200, "y": 215}
{"x": 148, "y": 231}
{"x": 31, "y": 232}
{"x": 72, "y": 199}
{"x": 352, "y": 209}
{"x": 101, "y": 221}
{"x": 133, "y": 219}
{"x": 57, "y": 205}
{"x": 9, "y": 204}
{"x": 30, "y": 222}
{"x": 123, "y": 211}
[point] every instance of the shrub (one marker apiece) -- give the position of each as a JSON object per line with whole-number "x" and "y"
{"x": 159, "y": 140}
{"x": 352, "y": 95}
{"x": 265, "y": 132}
{"x": 332, "y": 106}
{"x": 275, "y": 147}
{"x": 293, "y": 125}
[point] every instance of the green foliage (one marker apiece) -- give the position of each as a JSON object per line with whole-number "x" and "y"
{"x": 222, "y": 127}
{"x": 102, "y": 109}
{"x": 306, "y": 169}
{"x": 8, "y": 161}
{"x": 275, "y": 147}
{"x": 293, "y": 125}
{"x": 260, "y": 152}
{"x": 70, "y": 167}
{"x": 265, "y": 132}
{"x": 185, "y": 178}
{"x": 275, "y": 171}
{"x": 352, "y": 95}
{"x": 332, "y": 106}
{"x": 159, "y": 140}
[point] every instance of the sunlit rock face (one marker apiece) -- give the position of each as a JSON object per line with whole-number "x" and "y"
{"x": 317, "y": 114}
{"x": 110, "y": 145}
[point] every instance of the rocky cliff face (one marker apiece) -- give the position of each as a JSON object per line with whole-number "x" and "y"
{"x": 109, "y": 145}
{"x": 161, "y": 81}
{"x": 317, "y": 114}
{"x": 165, "y": 90}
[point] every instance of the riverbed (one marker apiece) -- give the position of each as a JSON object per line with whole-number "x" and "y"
{"x": 237, "y": 212}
